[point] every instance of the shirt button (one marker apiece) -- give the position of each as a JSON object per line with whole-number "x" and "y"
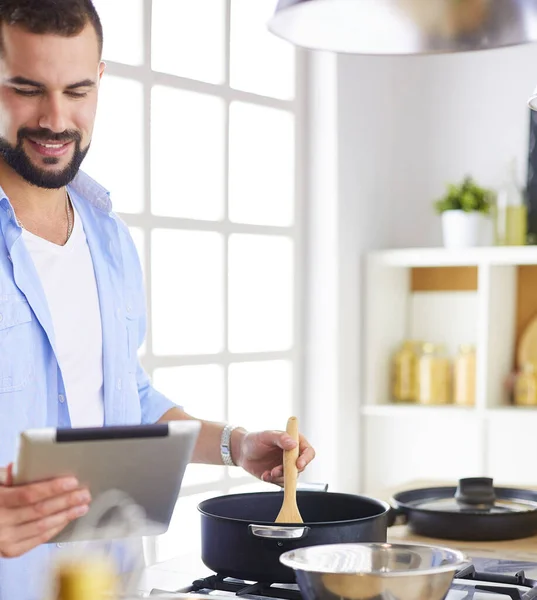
{"x": 118, "y": 384}
{"x": 60, "y": 545}
{"x": 61, "y": 398}
{"x": 129, "y": 308}
{"x": 9, "y": 256}
{"x": 1, "y": 317}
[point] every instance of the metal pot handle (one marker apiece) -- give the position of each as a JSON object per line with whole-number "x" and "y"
{"x": 311, "y": 487}
{"x": 278, "y": 533}
{"x": 396, "y": 517}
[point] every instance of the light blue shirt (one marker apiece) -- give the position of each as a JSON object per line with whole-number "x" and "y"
{"x": 32, "y": 392}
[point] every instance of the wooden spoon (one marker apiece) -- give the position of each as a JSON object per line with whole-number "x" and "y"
{"x": 289, "y": 512}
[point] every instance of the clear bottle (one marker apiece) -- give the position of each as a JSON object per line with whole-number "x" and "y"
{"x": 511, "y": 211}
{"x": 464, "y": 376}
{"x": 526, "y": 385}
{"x": 434, "y": 375}
{"x": 404, "y": 373}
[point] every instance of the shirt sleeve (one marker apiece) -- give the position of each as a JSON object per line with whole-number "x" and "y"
{"x": 153, "y": 404}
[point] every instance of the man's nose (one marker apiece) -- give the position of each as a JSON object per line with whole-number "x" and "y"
{"x": 53, "y": 114}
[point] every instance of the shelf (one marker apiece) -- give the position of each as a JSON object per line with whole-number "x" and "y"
{"x": 480, "y": 296}
{"x": 442, "y": 257}
{"x": 398, "y": 410}
{"x": 513, "y": 411}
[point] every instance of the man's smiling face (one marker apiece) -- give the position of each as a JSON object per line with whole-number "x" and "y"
{"x": 48, "y": 100}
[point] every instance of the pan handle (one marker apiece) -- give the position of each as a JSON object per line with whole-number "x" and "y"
{"x": 274, "y": 532}
{"x": 396, "y": 517}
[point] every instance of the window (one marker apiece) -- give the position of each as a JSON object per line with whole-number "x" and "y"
{"x": 198, "y": 138}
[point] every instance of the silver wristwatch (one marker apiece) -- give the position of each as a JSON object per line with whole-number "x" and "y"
{"x": 225, "y": 446}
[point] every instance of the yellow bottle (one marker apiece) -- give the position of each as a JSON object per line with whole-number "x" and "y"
{"x": 511, "y": 212}
{"x": 404, "y": 373}
{"x": 92, "y": 578}
{"x": 464, "y": 376}
{"x": 434, "y": 376}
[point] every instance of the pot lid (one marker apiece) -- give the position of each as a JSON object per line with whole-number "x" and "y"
{"x": 474, "y": 495}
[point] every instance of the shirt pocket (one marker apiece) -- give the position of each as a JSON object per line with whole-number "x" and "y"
{"x": 16, "y": 348}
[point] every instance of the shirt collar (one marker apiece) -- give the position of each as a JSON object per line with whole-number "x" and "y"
{"x": 86, "y": 188}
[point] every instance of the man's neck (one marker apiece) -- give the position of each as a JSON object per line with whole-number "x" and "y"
{"x": 28, "y": 201}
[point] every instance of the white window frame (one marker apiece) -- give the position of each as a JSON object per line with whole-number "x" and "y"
{"x": 146, "y": 222}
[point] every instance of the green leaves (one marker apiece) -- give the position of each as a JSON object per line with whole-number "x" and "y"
{"x": 468, "y": 197}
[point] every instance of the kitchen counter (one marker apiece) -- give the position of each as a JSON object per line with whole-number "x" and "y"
{"x": 522, "y": 549}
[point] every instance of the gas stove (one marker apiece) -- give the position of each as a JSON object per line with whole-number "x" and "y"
{"x": 483, "y": 579}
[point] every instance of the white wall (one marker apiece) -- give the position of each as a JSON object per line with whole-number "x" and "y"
{"x": 386, "y": 138}
{"x": 427, "y": 121}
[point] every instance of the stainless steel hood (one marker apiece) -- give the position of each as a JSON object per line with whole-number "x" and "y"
{"x": 406, "y": 27}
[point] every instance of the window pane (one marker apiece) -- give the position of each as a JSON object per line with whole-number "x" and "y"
{"x": 116, "y": 156}
{"x": 262, "y": 165}
{"x": 260, "y": 397}
{"x": 261, "y": 63}
{"x": 184, "y": 534}
{"x": 188, "y": 146}
{"x": 260, "y": 394}
{"x": 199, "y": 389}
{"x": 189, "y": 38}
{"x": 260, "y": 293}
{"x": 122, "y": 22}
{"x": 187, "y": 292}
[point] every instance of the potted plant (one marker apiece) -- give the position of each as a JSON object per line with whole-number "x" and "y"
{"x": 466, "y": 218}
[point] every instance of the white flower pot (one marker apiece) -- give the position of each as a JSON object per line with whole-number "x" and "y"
{"x": 465, "y": 230}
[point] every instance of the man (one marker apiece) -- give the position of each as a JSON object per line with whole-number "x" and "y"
{"x": 71, "y": 297}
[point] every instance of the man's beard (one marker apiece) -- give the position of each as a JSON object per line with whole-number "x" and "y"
{"x": 18, "y": 160}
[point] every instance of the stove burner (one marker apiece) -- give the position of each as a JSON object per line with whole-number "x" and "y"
{"x": 503, "y": 586}
{"x": 470, "y": 574}
{"x": 241, "y": 588}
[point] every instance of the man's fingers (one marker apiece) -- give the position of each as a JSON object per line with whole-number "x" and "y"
{"x": 276, "y": 473}
{"x": 43, "y": 526}
{"x": 307, "y": 454}
{"x": 21, "y": 547}
{"x": 52, "y": 506}
{"x": 24, "y": 495}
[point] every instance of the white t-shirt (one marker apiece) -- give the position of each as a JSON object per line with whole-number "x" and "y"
{"x": 68, "y": 279}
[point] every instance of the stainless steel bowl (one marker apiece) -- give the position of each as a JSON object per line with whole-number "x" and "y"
{"x": 374, "y": 571}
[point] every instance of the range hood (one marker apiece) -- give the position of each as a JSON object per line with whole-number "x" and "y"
{"x": 405, "y": 27}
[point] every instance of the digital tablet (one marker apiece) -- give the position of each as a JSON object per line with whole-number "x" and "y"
{"x": 139, "y": 469}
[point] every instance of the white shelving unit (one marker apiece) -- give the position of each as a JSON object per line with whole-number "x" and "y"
{"x": 408, "y": 442}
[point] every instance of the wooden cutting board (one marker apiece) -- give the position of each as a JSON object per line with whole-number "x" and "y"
{"x": 523, "y": 549}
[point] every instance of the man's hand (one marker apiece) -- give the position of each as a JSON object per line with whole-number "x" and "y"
{"x": 32, "y": 514}
{"x": 261, "y": 454}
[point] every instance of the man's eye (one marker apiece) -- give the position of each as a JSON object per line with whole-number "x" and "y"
{"x": 27, "y": 92}
{"x": 77, "y": 94}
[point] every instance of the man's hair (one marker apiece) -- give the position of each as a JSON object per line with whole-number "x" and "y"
{"x": 61, "y": 17}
